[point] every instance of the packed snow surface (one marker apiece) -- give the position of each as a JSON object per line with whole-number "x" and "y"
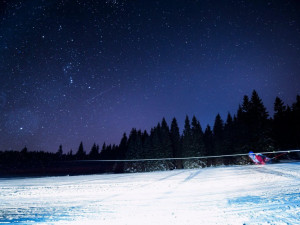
{"x": 249, "y": 194}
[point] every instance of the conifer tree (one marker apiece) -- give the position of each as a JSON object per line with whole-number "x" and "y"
{"x": 229, "y": 135}
{"x": 279, "y": 107}
{"x": 243, "y": 122}
{"x": 94, "y": 153}
{"x": 146, "y": 140}
{"x": 102, "y": 152}
{"x": 218, "y": 134}
{"x": 175, "y": 138}
{"x": 197, "y": 144}
{"x": 166, "y": 147}
{"x": 246, "y": 104}
{"x": 123, "y": 147}
{"x": 257, "y": 109}
{"x": 107, "y": 152}
{"x": 103, "y": 147}
{"x": 80, "y": 154}
{"x": 260, "y": 130}
{"x": 241, "y": 129}
{"x": 59, "y": 152}
{"x": 208, "y": 140}
{"x": 145, "y": 135}
{"x": 140, "y": 149}
{"x": 280, "y": 123}
{"x": 24, "y": 150}
{"x": 187, "y": 139}
{"x": 295, "y": 116}
{"x": 134, "y": 150}
{"x": 156, "y": 145}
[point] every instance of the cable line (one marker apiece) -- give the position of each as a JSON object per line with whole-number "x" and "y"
{"x": 187, "y": 158}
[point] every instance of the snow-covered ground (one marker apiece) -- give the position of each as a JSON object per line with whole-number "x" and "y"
{"x": 224, "y": 195}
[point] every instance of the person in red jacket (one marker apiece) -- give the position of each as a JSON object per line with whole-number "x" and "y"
{"x": 259, "y": 158}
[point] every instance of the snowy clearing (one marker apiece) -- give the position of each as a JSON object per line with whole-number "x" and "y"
{"x": 223, "y": 195}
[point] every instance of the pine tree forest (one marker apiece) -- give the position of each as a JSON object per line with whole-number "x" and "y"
{"x": 250, "y": 129}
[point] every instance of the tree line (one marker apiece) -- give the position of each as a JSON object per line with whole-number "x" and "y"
{"x": 249, "y": 129}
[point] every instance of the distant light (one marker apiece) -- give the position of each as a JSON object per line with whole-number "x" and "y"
{"x": 21, "y": 128}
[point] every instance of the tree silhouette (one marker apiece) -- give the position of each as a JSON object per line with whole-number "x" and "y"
{"x": 229, "y": 135}
{"x": 156, "y": 146}
{"x": 187, "y": 139}
{"x": 94, "y": 153}
{"x": 134, "y": 145}
{"x": 59, "y": 152}
{"x": 208, "y": 141}
{"x": 123, "y": 147}
{"x": 80, "y": 154}
{"x": 218, "y": 135}
{"x": 166, "y": 147}
{"x": 260, "y": 131}
{"x": 175, "y": 138}
{"x": 197, "y": 143}
{"x": 24, "y": 150}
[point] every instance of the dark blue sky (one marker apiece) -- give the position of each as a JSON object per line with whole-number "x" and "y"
{"x": 89, "y": 71}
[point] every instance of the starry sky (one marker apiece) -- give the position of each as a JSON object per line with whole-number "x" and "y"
{"x": 86, "y": 70}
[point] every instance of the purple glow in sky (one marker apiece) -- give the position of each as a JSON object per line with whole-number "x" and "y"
{"x": 89, "y": 71}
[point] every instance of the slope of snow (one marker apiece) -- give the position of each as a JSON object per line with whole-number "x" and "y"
{"x": 224, "y": 195}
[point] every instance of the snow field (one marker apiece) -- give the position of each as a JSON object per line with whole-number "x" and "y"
{"x": 223, "y": 195}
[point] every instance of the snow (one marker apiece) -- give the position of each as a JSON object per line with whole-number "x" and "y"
{"x": 249, "y": 194}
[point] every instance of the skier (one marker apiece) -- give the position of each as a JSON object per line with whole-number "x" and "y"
{"x": 259, "y": 158}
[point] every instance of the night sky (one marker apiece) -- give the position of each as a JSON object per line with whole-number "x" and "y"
{"x": 89, "y": 71}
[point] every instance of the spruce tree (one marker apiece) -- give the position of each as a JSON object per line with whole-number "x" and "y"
{"x": 187, "y": 139}
{"x": 134, "y": 150}
{"x": 24, "y": 150}
{"x": 208, "y": 141}
{"x": 197, "y": 144}
{"x": 246, "y": 104}
{"x": 166, "y": 146}
{"x": 107, "y": 152}
{"x": 218, "y": 134}
{"x": 59, "y": 152}
{"x": 140, "y": 149}
{"x": 229, "y": 135}
{"x": 156, "y": 144}
{"x": 94, "y": 152}
{"x": 102, "y": 151}
{"x": 257, "y": 121}
{"x": 80, "y": 154}
{"x": 123, "y": 147}
{"x": 279, "y": 107}
{"x": 295, "y": 116}
{"x": 280, "y": 124}
{"x": 175, "y": 139}
{"x": 146, "y": 140}
{"x": 257, "y": 109}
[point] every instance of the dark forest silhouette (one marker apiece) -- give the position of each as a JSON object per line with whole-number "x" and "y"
{"x": 250, "y": 128}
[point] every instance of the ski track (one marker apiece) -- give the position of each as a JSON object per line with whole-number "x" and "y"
{"x": 250, "y": 194}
